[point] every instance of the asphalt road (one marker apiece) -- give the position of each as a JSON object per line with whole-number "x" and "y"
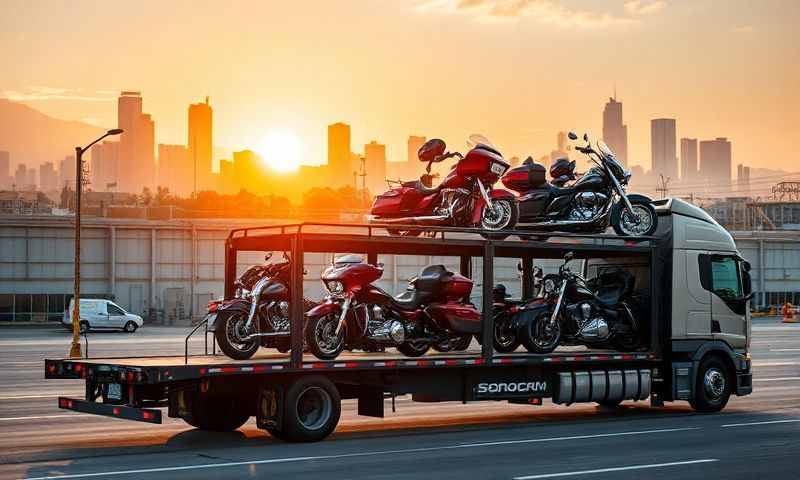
{"x": 757, "y": 435}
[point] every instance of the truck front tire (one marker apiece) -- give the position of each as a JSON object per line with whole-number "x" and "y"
{"x": 311, "y": 410}
{"x": 713, "y": 386}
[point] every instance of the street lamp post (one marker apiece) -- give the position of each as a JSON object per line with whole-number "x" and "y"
{"x": 75, "y": 349}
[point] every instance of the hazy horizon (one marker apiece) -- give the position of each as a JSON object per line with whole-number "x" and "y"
{"x": 516, "y": 71}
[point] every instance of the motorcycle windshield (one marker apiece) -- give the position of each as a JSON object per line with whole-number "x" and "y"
{"x": 611, "y": 160}
{"x": 476, "y": 140}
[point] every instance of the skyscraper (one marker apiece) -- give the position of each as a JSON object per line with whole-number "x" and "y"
{"x": 66, "y": 172}
{"x": 743, "y": 179}
{"x": 375, "y": 154}
{"x": 561, "y": 147}
{"x": 5, "y": 170}
{"x": 247, "y": 170}
{"x": 615, "y": 133}
{"x": 688, "y": 159}
{"x": 20, "y": 177}
{"x": 716, "y": 162}
{"x": 340, "y": 166}
{"x": 200, "y": 143}
{"x": 136, "y": 144}
{"x": 175, "y": 169}
{"x": 105, "y": 166}
{"x": 48, "y": 180}
{"x": 662, "y": 144}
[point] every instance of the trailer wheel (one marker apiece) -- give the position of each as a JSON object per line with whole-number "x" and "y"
{"x": 713, "y": 386}
{"x": 218, "y": 414}
{"x": 311, "y": 410}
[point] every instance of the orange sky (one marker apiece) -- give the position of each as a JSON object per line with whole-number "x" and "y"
{"x": 515, "y": 70}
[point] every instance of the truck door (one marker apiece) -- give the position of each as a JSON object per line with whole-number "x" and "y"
{"x": 698, "y": 300}
{"x": 721, "y": 275}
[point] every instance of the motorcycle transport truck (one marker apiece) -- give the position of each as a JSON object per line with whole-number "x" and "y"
{"x": 694, "y": 347}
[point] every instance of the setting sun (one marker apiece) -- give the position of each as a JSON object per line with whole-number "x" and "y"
{"x": 281, "y": 151}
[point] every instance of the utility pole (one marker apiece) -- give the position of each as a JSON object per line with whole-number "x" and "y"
{"x": 75, "y": 349}
{"x": 663, "y": 188}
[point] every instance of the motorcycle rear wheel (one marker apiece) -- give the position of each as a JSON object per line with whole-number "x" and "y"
{"x": 506, "y": 339}
{"x": 416, "y": 349}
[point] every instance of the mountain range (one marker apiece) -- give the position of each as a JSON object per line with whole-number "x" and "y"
{"x": 31, "y": 137}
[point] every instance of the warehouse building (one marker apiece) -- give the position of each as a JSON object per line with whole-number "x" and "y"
{"x": 167, "y": 271}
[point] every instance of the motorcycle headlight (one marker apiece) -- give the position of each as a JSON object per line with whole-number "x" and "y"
{"x": 334, "y": 286}
{"x": 549, "y": 286}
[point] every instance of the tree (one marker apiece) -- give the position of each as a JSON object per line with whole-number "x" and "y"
{"x": 146, "y": 197}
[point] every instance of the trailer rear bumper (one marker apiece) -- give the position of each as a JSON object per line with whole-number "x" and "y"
{"x": 147, "y": 415}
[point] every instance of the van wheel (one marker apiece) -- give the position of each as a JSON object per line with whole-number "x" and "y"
{"x": 218, "y": 414}
{"x": 85, "y": 327}
{"x": 713, "y": 386}
{"x": 311, "y": 410}
{"x": 130, "y": 327}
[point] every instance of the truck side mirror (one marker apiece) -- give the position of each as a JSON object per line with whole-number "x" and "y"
{"x": 747, "y": 283}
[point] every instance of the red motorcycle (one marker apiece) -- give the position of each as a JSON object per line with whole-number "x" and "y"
{"x": 465, "y": 198}
{"x": 433, "y": 311}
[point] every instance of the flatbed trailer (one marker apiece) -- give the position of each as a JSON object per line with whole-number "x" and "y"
{"x": 297, "y": 397}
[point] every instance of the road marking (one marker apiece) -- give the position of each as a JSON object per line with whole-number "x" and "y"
{"x": 616, "y": 469}
{"x": 776, "y": 379}
{"x": 784, "y": 349}
{"x": 39, "y": 417}
{"x": 775, "y": 364}
{"x": 768, "y": 422}
{"x": 352, "y": 455}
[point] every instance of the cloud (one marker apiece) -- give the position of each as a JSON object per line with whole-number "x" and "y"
{"x": 744, "y": 29}
{"x": 35, "y": 93}
{"x": 644, "y": 7}
{"x": 545, "y": 11}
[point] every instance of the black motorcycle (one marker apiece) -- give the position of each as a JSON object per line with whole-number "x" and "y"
{"x": 258, "y": 315}
{"x": 593, "y": 202}
{"x": 597, "y": 313}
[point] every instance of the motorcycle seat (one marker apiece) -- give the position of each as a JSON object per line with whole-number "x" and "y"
{"x": 558, "y": 191}
{"x": 408, "y": 300}
{"x": 420, "y": 187}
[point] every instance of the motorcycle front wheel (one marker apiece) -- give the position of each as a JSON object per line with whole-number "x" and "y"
{"x": 501, "y": 215}
{"x": 540, "y": 336}
{"x": 506, "y": 339}
{"x": 230, "y": 332}
{"x": 322, "y": 339}
{"x": 641, "y": 223}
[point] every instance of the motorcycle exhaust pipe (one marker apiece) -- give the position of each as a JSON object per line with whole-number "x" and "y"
{"x": 269, "y": 334}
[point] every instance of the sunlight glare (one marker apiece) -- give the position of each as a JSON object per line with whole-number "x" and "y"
{"x": 281, "y": 151}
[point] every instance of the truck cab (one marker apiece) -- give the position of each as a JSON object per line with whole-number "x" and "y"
{"x": 708, "y": 307}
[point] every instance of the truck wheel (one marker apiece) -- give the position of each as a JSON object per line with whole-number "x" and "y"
{"x": 218, "y": 414}
{"x": 311, "y": 410}
{"x": 713, "y": 386}
{"x": 229, "y": 332}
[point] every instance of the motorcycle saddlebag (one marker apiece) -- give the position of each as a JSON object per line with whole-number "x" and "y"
{"x": 388, "y": 203}
{"x": 456, "y": 317}
{"x": 525, "y": 177}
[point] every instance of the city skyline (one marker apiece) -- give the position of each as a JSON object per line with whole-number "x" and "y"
{"x": 263, "y": 77}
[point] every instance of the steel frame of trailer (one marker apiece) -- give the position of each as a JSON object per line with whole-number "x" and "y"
{"x": 465, "y": 243}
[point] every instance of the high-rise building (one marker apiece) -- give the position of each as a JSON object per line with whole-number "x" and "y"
{"x": 688, "y": 159}
{"x": 105, "y": 166}
{"x": 615, "y": 133}
{"x": 662, "y": 144}
{"x": 200, "y": 143}
{"x": 716, "y": 161}
{"x": 175, "y": 170}
{"x": 31, "y": 183}
{"x": 20, "y": 177}
{"x": 340, "y": 165}
{"x": 5, "y": 170}
{"x": 561, "y": 147}
{"x": 743, "y": 179}
{"x": 375, "y": 154}
{"x": 247, "y": 170}
{"x": 48, "y": 179}
{"x": 136, "y": 144}
{"x": 228, "y": 184}
{"x": 66, "y": 172}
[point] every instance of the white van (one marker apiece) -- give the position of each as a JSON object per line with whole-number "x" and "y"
{"x": 97, "y": 313}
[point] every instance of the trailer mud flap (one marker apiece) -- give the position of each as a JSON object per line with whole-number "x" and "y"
{"x": 602, "y": 386}
{"x": 270, "y": 407}
{"x": 116, "y": 411}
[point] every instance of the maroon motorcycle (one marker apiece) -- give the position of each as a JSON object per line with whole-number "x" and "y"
{"x": 465, "y": 198}
{"x": 433, "y": 311}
